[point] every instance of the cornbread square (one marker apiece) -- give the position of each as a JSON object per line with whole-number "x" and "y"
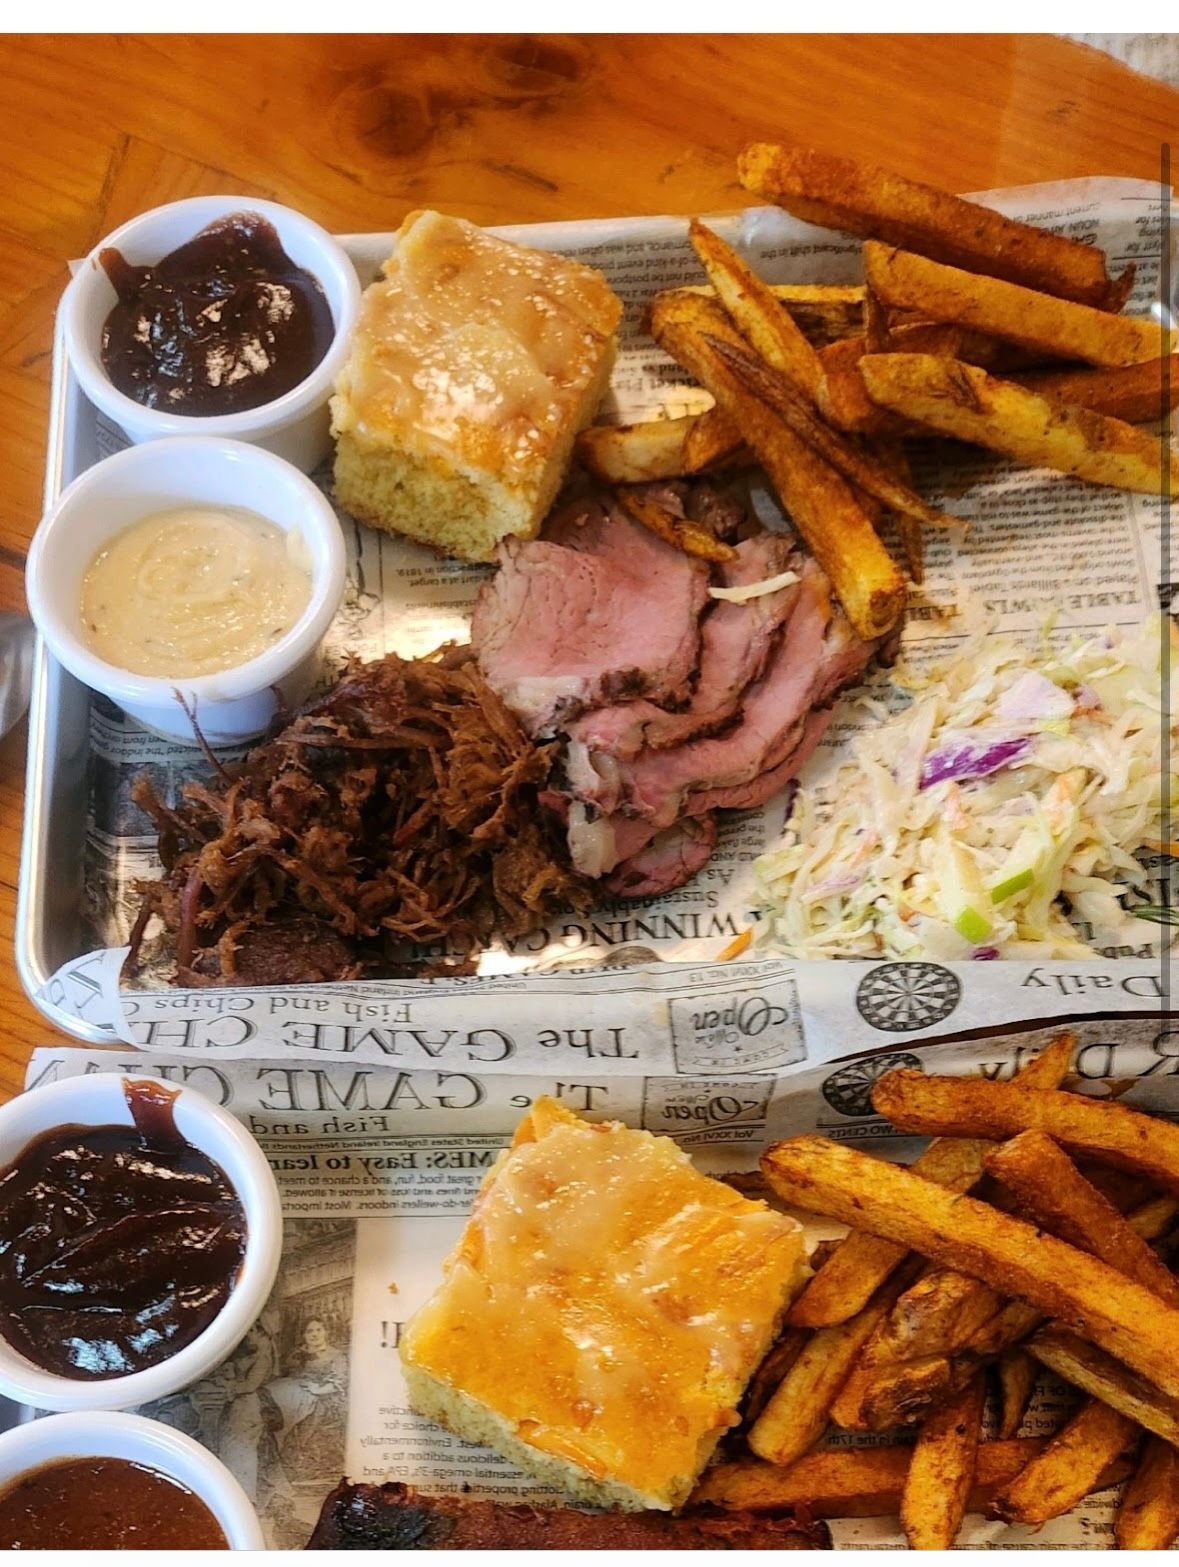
{"x": 600, "y": 1318}
{"x": 473, "y": 365}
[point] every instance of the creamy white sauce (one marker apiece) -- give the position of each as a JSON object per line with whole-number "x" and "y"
{"x": 193, "y": 590}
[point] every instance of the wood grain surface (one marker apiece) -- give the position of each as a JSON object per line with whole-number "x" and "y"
{"x": 356, "y": 131}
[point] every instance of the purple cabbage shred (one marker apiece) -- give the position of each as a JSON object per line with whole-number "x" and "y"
{"x": 970, "y": 759}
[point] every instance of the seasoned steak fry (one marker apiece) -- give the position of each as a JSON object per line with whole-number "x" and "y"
{"x": 1012, "y": 1257}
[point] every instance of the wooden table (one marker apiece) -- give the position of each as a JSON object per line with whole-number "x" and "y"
{"x": 356, "y": 131}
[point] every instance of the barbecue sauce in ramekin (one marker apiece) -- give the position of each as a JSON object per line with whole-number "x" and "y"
{"x": 104, "y": 1504}
{"x": 222, "y": 324}
{"x": 119, "y": 1245}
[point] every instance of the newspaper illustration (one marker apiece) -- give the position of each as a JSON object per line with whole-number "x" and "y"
{"x": 378, "y": 1165}
{"x": 1088, "y": 558}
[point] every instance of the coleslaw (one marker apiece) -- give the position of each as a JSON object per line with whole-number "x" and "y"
{"x": 998, "y": 815}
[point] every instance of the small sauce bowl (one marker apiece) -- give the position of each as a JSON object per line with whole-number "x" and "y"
{"x": 294, "y": 425}
{"x": 147, "y": 1442}
{"x": 100, "y": 1101}
{"x": 233, "y": 704}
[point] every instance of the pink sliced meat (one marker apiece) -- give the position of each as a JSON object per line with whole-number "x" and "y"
{"x": 607, "y": 841}
{"x": 599, "y": 611}
{"x": 747, "y": 796}
{"x": 735, "y": 643}
{"x": 657, "y": 784}
{"x": 668, "y": 861}
{"x": 598, "y": 843}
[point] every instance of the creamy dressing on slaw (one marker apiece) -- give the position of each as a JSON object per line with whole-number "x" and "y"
{"x": 193, "y": 590}
{"x": 1000, "y": 814}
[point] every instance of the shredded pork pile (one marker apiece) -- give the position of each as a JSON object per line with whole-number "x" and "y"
{"x": 400, "y": 810}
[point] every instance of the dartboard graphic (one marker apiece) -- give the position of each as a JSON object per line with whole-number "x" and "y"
{"x": 901, "y": 997}
{"x": 849, "y": 1091}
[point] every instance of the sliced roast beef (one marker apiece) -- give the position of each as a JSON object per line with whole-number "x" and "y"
{"x": 657, "y": 784}
{"x": 747, "y": 796}
{"x": 598, "y": 611}
{"x": 669, "y": 860}
{"x": 780, "y": 727}
{"x": 597, "y": 843}
{"x": 673, "y": 706}
{"x": 735, "y": 642}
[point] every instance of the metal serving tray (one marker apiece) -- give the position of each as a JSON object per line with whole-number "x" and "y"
{"x": 50, "y": 924}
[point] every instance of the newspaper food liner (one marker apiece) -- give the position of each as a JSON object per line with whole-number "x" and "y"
{"x": 378, "y": 1164}
{"x": 381, "y": 1104}
{"x": 1039, "y": 545}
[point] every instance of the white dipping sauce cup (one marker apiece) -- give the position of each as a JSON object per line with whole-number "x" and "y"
{"x": 294, "y": 425}
{"x": 234, "y": 704}
{"x": 100, "y": 1101}
{"x": 59, "y": 1438}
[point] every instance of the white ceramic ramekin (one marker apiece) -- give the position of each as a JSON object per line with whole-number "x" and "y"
{"x": 234, "y": 704}
{"x": 100, "y": 1101}
{"x": 294, "y": 425}
{"x": 147, "y": 1442}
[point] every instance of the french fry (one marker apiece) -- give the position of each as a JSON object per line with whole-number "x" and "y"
{"x": 1011, "y": 1256}
{"x": 891, "y": 453}
{"x": 858, "y": 1482}
{"x": 635, "y": 453}
{"x": 1106, "y": 1378}
{"x": 1011, "y": 1323}
{"x": 846, "y": 1283}
{"x": 712, "y": 442}
{"x": 937, "y": 1314}
{"x": 769, "y": 1374}
{"x": 1068, "y": 1468}
{"x": 797, "y": 1414}
{"x": 898, "y": 1394}
{"x": 1148, "y": 1515}
{"x": 878, "y": 204}
{"x": 658, "y": 448}
{"x": 1017, "y": 1373}
{"x": 961, "y": 401}
{"x": 913, "y": 1361}
{"x": 680, "y": 534}
{"x": 1050, "y": 1190}
{"x": 819, "y": 501}
{"x": 1150, "y": 1221}
{"x": 754, "y": 311}
{"x": 856, "y": 464}
{"x": 941, "y": 1471}
{"x": 842, "y": 396}
{"x": 1137, "y": 393}
{"x": 974, "y": 1107}
{"x": 1056, "y": 328}
{"x": 878, "y": 1398}
{"x": 824, "y": 312}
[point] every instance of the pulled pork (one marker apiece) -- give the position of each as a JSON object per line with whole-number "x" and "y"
{"x": 400, "y": 810}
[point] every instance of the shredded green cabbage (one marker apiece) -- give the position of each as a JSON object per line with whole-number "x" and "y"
{"x": 1049, "y": 786}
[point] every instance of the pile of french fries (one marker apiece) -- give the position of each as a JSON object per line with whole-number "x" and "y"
{"x": 1059, "y": 1260}
{"x": 969, "y": 325}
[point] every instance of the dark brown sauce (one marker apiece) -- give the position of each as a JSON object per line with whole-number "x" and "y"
{"x": 118, "y": 1244}
{"x": 104, "y": 1504}
{"x": 224, "y": 323}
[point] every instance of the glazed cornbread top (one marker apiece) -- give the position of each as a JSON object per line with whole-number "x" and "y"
{"x": 607, "y": 1302}
{"x": 472, "y": 345}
